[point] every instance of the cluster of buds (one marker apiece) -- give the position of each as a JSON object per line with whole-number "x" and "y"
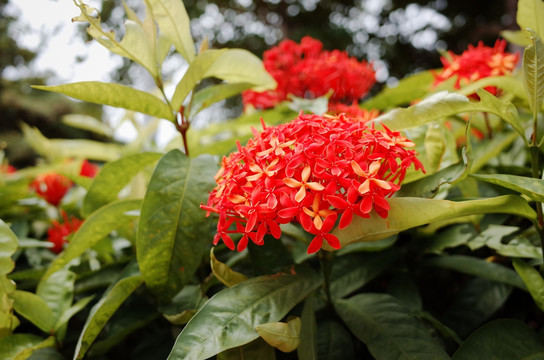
{"x": 58, "y": 233}
{"x": 314, "y": 171}
{"x": 52, "y": 186}
{"x": 306, "y": 70}
{"x": 477, "y": 62}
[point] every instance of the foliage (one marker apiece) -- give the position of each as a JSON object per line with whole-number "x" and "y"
{"x": 440, "y": 264}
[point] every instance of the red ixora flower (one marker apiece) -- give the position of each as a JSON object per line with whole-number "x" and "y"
{"x": 306, "y": 70}
{"x": 313, "y": 170}
{"x": 477, "y": 62}
{"x": 58, "y": 233}
{"x": 51, "y": 186}
{"x": 88, "y": 169}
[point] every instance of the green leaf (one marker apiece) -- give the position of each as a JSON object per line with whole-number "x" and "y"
{"x": 184, "y": 305}
{"x": 115, "y": 95}
{"x": 476, "y": 301}
{"x": 34, "y": 309}
{"x": 230, "y": 65}
{"x": 8, "y": 321}
{"x": 71, "y": 311}
{"x": 97, "y": 226}
{"x": 283, "y": 336}
{"x": 270, "y": 257}
{"x": 444, "y": 104}
{"x": 55, "y": 149}
{"x": 212, "y": 94}
{"x": 103, "y": 310}
{"x": 229, "y": 318}
{"x": 89, "y": 123}
{"x": 532, "y": 279}
{"x": 137, "y": 45}
{"x": 530, "y": 14}
{"x": 533, "y": 69}
{"x": 57, "y": 291}
{"x": 388, "y": 328}
{"x": 502, "y": 339}
{"x": 307, "y": 350}
{"x": 519, "y": 246}
{"x": 425, "y": 211}
{"x": 113, "y": 177}
{"x": 224, "y": 273}
{"x": 493, "y": 233}
{"x": 505, "y": 82}
{"x": 517, "y": 37}
{"x": 173, "y": 232}
{"x": 21, "y": 346}
{"x": 491, "y": 149}
{"x": 8, "y": 245}
{"x": 174, "y": 23}
{"x": 533, "y": 188}
{"x": 334, "y": 341}
{"x": 412, "y": 87}
{"x": 351, "y": 272}
{"x": 257, "y": 349}
{"x": 477, "y": 267}
{"x": 449, "y": 238}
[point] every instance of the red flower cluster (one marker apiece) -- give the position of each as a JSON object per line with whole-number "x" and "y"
{"x": 353, "y": 111}
{"x": 312, "y": 170}
{"x": 477, "y": 62}
{"x": 305, "y": 70}
{"x": 59, "y": 233}
{"x": 52, "y": 186}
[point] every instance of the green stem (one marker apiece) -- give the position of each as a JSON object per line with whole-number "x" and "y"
{"x": 325, "y": 258}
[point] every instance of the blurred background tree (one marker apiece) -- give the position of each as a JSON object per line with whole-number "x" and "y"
{"x": 399, "y": 36}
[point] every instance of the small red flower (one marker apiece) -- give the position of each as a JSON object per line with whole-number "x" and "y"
{"x": 7, "y": 169}
{"x": 313, "y": 171}
{"x": 477, "y": 62}
{"x": 51, "y": 186}
{"x": 88, "y": 169}
{"x": 306, "y": 70}
{"x": 58, "y": 234}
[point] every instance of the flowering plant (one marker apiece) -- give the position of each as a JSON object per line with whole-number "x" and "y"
{"x": 312, "y": 170}
{"x": 366, "y": 228}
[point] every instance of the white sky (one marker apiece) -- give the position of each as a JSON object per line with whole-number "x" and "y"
{"x": 45, "y": 27}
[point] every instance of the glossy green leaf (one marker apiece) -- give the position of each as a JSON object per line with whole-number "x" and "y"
{"x": 532, "y": 279}
{"x": 173, "y": 232}
{"x": 412, "y": 87}
{"x": 21, "y": 346}
{"x": 519, "y": 246}
{"x": 493, "y": 233}
{"x": 351, "y": 272}
{"x": 97, "y": 226}
{"x": 530, "y": 14}
{"x": 489, "y": 150}
{"x": 257, "y": 349}
{"x": 229, "y": 318}
{"x": 506, "y": 83}
{"x": 307, "y": 350}
{"x": 115, "y": 95}
{"x": 444, "y": 104}
{"x": 517, "y": 37}
{"x": 174, "y": 23}
{"x": 334, "y": 341}
{"x": 283, "y": 336}
{"x": 533, "y": 188}
{"x": 212, "y": 94}
{"x": 34, "y": 309}
{"x": 533, "y": 69}
{"x": 230, "y": 65}
{"x": 113, "y": 177}
{"x": 388, "y": 328}
{"x": 434, "y": 148}
{"x": 57, "y": 291}
{"x": 89, "y": 123}
{"x": 8, "y": 321}
{"x": 474, "y": 303}
{"x": 224, "y": 273}
{"x": 104, "y": 309}
{"x": 71, "y": 311}
{"x": 425, "y": 211}
{"x": 8, "y": 245}
{"x": 503, "y": 339}
{"x": 135, "y": 45}
{"x": 184, "y": 305}
{"x": 477, "y": 267}
{"x": 55, "y": 149}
